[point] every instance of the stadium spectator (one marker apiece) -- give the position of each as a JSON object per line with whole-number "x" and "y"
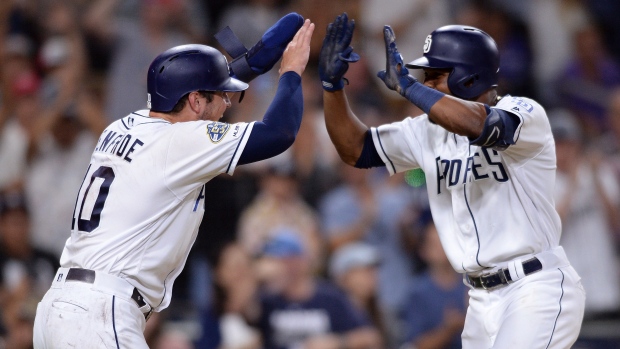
{"x": 587, "y": 80}
{"x": 136, "y": 43}
{"x": 354, "y": 268}
{"x": 234, "y": 302}
{"x": 25, "y": 272}
{"x": 297, "y": 310}
{"x": 277, "y": 206}
{"x": 587, "y": 197}
{"x": 435, "y": 314}
{"x": 367, "y": 208}
{"x": 16, "y": 129}
{"x": 61, "y": 148}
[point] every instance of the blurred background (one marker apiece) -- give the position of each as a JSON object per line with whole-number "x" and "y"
{"x": 301, "y": 251}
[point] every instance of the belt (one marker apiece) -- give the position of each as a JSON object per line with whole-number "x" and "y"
{"x": 502, "y": 277}
{"x": 88, "y": 276}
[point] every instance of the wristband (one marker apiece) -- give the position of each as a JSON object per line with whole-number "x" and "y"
{"x": 423, "y": 96}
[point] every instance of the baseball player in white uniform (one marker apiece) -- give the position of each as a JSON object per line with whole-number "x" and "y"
{"x": 490, "y": 168}
{"x": 142, "y": 200}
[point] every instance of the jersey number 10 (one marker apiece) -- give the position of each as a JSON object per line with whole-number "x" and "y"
{"x": 90, "y": 204}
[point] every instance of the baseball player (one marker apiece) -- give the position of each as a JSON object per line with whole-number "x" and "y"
{"x": 138, "y": 210}
{"x": 490, "y": 169}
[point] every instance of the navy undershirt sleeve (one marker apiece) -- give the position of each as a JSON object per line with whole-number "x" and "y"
{"x": 279, "y": 127}
{"x": 369, "y": 156}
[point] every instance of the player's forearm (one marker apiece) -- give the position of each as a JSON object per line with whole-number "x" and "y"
{"x": 459, "y": 116}
{"x": 279, "y": 127}
{"x": 345, "y": 130}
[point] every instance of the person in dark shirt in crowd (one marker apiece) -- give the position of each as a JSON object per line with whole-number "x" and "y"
{"x": 435, "y": 315}
{"x": 299, "y": 311}
{"x": 25, "y": 272}
{"x": 354, "y": 267}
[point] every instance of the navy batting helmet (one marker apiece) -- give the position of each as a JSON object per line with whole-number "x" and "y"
{"x": 471, "y": 54}
{"x": 184, "y": 69}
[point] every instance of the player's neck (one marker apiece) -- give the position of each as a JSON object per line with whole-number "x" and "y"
{"x": 172, "y": 118}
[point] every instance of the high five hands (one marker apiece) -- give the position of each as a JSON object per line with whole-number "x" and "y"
{"x": 297, "y": 53}
{"x": 336, "y": 53}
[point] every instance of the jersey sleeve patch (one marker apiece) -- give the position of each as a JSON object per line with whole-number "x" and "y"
{"x": 217, "y": 130}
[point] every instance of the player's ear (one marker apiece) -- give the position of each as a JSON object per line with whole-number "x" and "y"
{"x": 193, "y": 99}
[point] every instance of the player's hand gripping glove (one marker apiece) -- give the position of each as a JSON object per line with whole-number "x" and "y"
{"x": 395, "y": 76}
{"x": 248, "y": 64}
{"x": 336, "y": 54}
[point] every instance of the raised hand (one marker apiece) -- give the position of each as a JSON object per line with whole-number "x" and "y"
{"x": 395, "y": 76}
{"x": 297, "y": 53}
{"x": 336, "y": 53}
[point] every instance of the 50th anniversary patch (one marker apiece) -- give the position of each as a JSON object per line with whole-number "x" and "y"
{"x": 217, "y": 131}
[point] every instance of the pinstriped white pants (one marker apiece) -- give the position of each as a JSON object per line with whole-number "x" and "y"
{"x": 76, "y": 316}
{"x": 542, "y": 310}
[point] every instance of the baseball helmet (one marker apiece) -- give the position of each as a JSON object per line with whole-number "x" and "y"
{"x": 184, "y": 69}
{"x": 471, "y": 54}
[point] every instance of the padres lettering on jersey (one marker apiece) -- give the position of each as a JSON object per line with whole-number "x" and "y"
{"x": 139, "y": 208}
{"x": 489, "y": 206}
{"x": 477, "y": 167}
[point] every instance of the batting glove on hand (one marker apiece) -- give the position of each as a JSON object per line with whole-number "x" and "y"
{"x": 395, "y": 76}
{"x": 336, "y": 54}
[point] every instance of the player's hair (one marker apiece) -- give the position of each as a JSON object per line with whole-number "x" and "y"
{"x": 181, "y": 103}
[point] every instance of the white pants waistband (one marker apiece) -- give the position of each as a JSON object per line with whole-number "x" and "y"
{"x": 105, "y": 283}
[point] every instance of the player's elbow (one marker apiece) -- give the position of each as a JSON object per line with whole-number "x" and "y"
{"x": 349, "y": 157}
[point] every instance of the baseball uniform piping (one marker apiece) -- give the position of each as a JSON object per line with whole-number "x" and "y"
{"x": 237, "y": 148}
{"x": 560, "y": 311}
{"x": 472, "y": 217}
{"x": 114, "y": 322}
{"x": 383, "y": 150}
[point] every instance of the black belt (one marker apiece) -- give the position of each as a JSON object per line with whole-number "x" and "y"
{"x": 88, "y": 276}
{"x": 502, "y": 276}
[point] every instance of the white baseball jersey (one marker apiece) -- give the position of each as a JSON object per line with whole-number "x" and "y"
{"x": 489, "y": 206}
{"x": 141, "y": 203}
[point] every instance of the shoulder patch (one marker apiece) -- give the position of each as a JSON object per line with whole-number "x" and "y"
{"x": 523, "y": 104}
{"x": 217, "y": 130}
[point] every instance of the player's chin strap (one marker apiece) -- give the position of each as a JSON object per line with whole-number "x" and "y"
{"x": 260, "y": 58}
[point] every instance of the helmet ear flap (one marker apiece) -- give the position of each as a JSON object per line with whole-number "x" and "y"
{"x": 461, "y": 83}
{"x": 466, "y": 85}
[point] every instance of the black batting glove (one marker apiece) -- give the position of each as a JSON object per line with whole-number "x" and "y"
{"x": 395, "y": 76}
{"x": 336, "y": 54}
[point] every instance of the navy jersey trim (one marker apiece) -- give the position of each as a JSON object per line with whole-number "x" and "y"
{"x": 123, "y": 121}
{"x": 114, "y": 322}
{"x": 383, "y": 150}
{"x": 237, "y": 149}
{"x": 153, "y": 122}
{"x": 560, "y": 311}
{"x": 472, "y": 218}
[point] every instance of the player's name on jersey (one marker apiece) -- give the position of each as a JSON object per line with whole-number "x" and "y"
{"x": 118, "y": 144}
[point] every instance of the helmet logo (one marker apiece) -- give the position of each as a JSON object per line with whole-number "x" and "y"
{"x": 427, "y": 43}
{"x": 148, "y": 100}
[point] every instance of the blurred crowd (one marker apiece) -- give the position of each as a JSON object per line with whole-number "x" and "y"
{"x": 301, "y": 251}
